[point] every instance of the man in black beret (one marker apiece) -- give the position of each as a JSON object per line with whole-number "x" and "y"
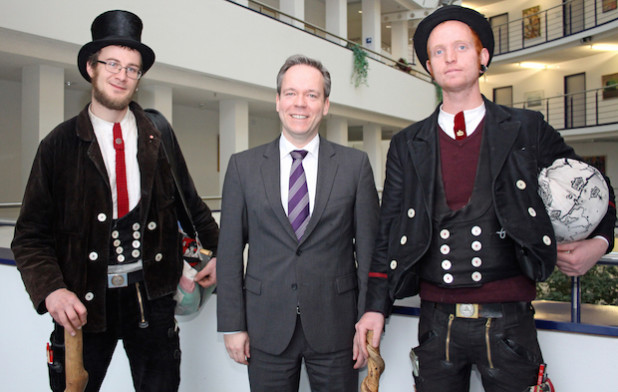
{"x": 462, "y": 223}
{"x": 97, "y": 239}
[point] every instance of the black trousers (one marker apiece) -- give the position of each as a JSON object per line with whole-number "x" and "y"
{"x": 332, "y": 372}
{"x": 504, "y": 349}
{"x": 153, "y": 352}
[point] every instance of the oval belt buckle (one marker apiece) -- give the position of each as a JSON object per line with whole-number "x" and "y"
{"x": 118, "y": 280}
{"x": 467, "y": 310}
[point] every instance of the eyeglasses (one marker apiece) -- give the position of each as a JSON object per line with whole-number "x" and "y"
{"x": 114, "y": 67}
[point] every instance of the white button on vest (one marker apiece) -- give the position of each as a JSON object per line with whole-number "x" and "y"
{"x": 411, "y": 213}
{"x": 136, "y": 244}
{"x": 120, "y": 258}
{"x": 447, "y": 278}
{"x": 444, "y": 234}
{"x": 521, "y": 184}
{"x": 89, "y": 296}
{"x": 445, "y": 249}
{"x": 93, "y": 256}
{"x": 476, "y": 276}
{"x": 101, "y": 217}
{"x": 403, "y": 240}
{"x": 532, "y": 212}
{"x": 115, "y": 234}
{"x": 476, "y": 246}
{"x": 116, "y": 242}
{"x": 135, "y": 253}
{"x": 136, "y": 235}
{"x": 393, "y": 264}
{"x": 119, "y": 250}
{"x": 446, "y": 265}
{"x": 546, "y": 240}
{"x": 476, "y": 231}
{"x": 158, "y": 257}
{"x": 136, "y": 226}
{"x": 152, "y": 225}
{"x": 476, "y": 261}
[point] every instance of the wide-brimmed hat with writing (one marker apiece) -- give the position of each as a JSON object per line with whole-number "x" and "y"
{"x": 472, "y": 18}
{"x": 122, "y": 28}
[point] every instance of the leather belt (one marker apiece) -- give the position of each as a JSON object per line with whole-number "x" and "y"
{"x": 117, "y": 280}
{"x": 489, "y": 310}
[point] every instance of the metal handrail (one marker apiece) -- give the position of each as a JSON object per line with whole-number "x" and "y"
{"x": 554, "y": 23}
{"x": 268, "y": 11}
{"x": 582, "y": 109}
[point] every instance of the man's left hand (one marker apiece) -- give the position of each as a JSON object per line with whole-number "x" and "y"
{"x": 208, "y": 275}
{"x": 576, "y": 258}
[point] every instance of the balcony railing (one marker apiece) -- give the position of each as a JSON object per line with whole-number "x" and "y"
{"x": 583, "y": 109}
{"x": 317, "y": 31}
{"x": 558, "y": 22}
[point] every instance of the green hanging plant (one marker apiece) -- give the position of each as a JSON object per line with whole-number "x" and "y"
{"x": 361, "y": 66}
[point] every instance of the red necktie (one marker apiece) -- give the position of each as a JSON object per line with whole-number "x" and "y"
{"x": 460, "y": 126}
{"x": 121, "y": 173}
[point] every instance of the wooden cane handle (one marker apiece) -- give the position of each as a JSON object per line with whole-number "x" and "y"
{"x": 76, "y": 375}
{"x": 375, "y": 367}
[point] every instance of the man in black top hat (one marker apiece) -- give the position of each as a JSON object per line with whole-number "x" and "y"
{"x": 97, "y": 239}
{"x": 462, "y": 223}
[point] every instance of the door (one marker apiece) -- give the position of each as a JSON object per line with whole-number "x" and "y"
{"x": 503, "y": 96}
{"x": 500, "y": 26}
{"x": 575, "y": 101}
{"x": 573, "y": 14}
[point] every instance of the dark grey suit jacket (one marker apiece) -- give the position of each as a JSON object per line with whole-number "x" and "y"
{"x": 325, "y": 274}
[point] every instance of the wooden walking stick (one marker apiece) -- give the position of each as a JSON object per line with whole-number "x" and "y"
{"x": 375, "y": 367}
{"x": 76, "y": 375}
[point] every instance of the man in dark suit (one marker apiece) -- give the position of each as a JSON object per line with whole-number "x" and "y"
{"x": 463, "y": 224}
{"x": 308, "y": 210}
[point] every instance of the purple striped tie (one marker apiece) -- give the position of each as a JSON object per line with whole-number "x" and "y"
{"x": 298, "y": 195}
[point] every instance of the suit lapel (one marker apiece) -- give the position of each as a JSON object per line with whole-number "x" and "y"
{"x": 423, "y": 148}
{"x": 500, "y": 134}
{"x": 271, "y": 178}
{"x": 327, "y": 168}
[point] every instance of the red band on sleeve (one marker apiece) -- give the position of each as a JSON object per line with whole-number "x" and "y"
{"x": 378, "y": 275}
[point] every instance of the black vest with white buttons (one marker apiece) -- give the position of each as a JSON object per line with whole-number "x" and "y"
{"x": 126, "y": 241}
{"x": 468, "y": 246}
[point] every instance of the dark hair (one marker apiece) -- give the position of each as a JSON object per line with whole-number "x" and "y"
{"x": 299, "y": 59}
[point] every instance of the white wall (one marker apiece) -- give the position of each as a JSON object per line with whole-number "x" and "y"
{"x": 10, "y": 147}
{"x": 576, "y": 362}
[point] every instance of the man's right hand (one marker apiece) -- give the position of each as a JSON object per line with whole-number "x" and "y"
{"x": 371, "y": 321}
{"x": 66, "y": 309}
{"x": 237, "y": 346}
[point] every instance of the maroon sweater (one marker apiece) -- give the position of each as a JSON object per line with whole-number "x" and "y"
{"x": 459, "y": 161}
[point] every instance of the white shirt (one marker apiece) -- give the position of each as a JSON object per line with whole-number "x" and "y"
{"x": 310, "y": 165}
{"x": 472, "y": 117}
{"x": 104, "y": 132}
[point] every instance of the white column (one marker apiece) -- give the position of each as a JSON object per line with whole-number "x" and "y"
{"x": 371, "y": 25}
{"x": 337, "y": 130}
{"x": 157, "y": 97}
{"x": 295, "y": 8}
{"x": 372, "y": 144}
{"x": 337, "y": 19}
{"x": 399, "y": 39}
{"x": 42, "y": 109}
{"x": 233, "y": 132}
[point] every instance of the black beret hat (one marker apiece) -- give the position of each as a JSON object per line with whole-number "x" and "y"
{"x": 122, "y": 28}
{"x": 472, "y": 18}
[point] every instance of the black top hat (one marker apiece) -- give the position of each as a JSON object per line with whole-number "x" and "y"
{"x": 472, "y": 18}
{"x": 121, "y": 28}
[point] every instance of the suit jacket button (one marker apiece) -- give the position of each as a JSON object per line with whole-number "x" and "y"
{"x": 294, "y": 286}
{"x": 299, "y": 252}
